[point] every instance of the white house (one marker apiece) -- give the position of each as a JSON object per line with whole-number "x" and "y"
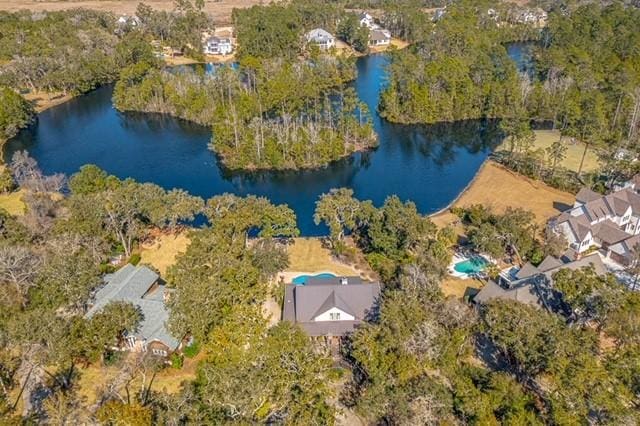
{"x": 367, "y": 20}
{"x": 321, "y": 38}
{"x": 218, "y": 46}
{"x": 607, "y": 222}
{"x": 379, "y": 38}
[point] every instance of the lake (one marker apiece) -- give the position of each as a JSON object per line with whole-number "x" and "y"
{"x": 429, "y": 165}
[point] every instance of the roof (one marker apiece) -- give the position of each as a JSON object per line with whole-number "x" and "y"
{"x": 378, "y": 35}
{"x": 303, "y": 303}
{"x": 319, "y": 35}
{"x": 549, "y": 263}
{"x": 525, "y": 293}
{"x": 526, "y": 271}
{"x": 135, "y": 284}
{"x": 609, "y": 232}
{"x": 586, "y": 194}
{"x": 531, "y": 289}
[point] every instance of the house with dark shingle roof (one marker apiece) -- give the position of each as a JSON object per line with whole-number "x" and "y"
{"x": 534, "y": 284}
{"x": 602, "y": 221}
{"x": 141, "y": 287}
{"x": 330, "y": 307}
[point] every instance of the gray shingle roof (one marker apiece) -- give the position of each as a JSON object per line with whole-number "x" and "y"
{"x": 549, "y": 263}
{"x": 136, "y": 285}
{"x": 585, "y": 195}
{"x": 303, "y": 303}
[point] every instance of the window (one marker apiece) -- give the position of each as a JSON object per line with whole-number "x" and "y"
{"x": 159, "y": 352}
{"x": 334, "y": 316}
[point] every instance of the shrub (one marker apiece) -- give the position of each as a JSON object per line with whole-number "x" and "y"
{"x": 6, "y": 181}
{"x": 192, "y": 350}
{"x": 176, "y": 361}
{"x": 134, "y": 259}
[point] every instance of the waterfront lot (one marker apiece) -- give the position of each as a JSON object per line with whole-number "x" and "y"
{"x": 499, "y": 188}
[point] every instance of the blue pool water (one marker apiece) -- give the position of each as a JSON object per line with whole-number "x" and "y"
{"x": 471, "y": 266}
{"x": 302, "y": 279}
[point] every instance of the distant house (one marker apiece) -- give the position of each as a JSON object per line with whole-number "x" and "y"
{"x": 140, "y": 286}
{"x": 610, "y": 222}
{"x": 379, "y": 38}
{"x": 321, "y": 38}
{"x": 534, "y": 284}
{"x": 330, "y": 307}
{"x": 367, "y": 20}
{"x": 125, "y": 20}
{"x": 218, "y": 46}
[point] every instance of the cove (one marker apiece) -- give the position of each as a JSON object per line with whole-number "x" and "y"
{"x": 429, "y": 165}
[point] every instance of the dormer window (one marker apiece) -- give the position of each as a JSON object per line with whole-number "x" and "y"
{"x": 334, "y": 316}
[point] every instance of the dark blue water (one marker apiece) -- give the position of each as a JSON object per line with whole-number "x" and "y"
{"x": 429, "y": 165}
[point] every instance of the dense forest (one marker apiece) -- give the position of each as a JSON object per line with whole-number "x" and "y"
{"x": 265, "y": 113}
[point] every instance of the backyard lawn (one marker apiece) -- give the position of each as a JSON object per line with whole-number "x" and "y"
{"x": 163, "y": 251}
{"x": 308, "y": 255}
{"x": 458, "y": 288}
{"x": 544, "y": 139}
{"x": 499, "y": 188}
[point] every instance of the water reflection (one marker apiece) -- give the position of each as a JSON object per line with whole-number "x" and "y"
{"x": 427, "y": 164}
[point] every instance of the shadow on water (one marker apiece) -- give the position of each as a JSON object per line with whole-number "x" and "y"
{"x": 429, "y": 165}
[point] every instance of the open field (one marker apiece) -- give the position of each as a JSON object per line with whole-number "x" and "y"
{"x": 499, "y": 188}
{"x": 544, "y": 139}
{"x": 13, "y": 203}
{"x": 163, "y": 251}
{"x": 219, "y": 10}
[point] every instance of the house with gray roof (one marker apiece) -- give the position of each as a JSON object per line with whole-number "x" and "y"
{"x": 141, "y": 287}
{"x": 607, "y": 222}
{"x": 534, "y": 284}
{"x": 321, "y": 38}
{"x": 330, "y": 307}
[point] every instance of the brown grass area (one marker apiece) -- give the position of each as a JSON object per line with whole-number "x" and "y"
{"x": 499, "y": 188}
{"x": 544, "y": 139}
{"x": 162, "y": 252}
{"x": 308, "y": 255}
{"x": 219, "y": 10}
{"x": 43, "y": 100}
{"x": 456, "y": 287}
{"x": 94, "y": 377}
{"x": 13, "y": 203}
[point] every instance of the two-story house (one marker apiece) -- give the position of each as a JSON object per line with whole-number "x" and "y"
{"x": 330, "y": 308}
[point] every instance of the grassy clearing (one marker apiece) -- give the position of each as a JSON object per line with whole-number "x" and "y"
{"x": 13, "y": 203}
{"x": 162, "y": 253}
{"x": 499, "y": 188}
{"x": 93, "y": 378}
{"x": 544, "y": 139}
{"x": 458, "y": 288}
{"x": 308, "y": 255}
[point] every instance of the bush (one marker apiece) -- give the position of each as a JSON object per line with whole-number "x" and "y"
{"x": 111, "y": 358}
{"x": 6, "y": 181}
{"x": 192, "y": 350}
{"x": 176, "y": 361}
{"x": 134, "y": 259}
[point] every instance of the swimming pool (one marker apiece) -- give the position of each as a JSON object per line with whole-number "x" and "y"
{"x": 302, "y": 279}
{"x": 471, "y": 266}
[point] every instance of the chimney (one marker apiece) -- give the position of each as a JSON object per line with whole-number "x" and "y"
{"x": 344, "y": 281}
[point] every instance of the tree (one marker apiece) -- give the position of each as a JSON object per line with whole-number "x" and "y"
{"x": 339, "y": 211}
{"x": 15, "y": 113}
{"x": 556, "y": 152}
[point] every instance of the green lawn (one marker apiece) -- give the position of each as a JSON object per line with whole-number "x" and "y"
{"x": 544, "y": 138}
